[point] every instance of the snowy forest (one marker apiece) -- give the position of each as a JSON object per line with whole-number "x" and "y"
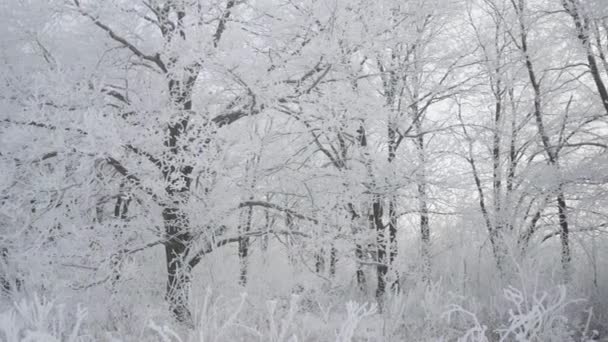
{"x": 303, "y": 170}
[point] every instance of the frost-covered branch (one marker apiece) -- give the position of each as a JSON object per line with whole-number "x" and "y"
{"x": 123, "y": 41}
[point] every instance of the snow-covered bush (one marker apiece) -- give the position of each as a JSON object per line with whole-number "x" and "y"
{"x": 227, "y": 321}
{"x": 538, "y": 315}
{"x": 40, "y": 320}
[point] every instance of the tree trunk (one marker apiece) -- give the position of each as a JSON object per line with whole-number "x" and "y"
{"x": 333, "y": 261}
{"x": 425, "y": 236}
{"x": 360, "y": 275}
{"x": 320, "y": 261}
{"x": 564, "y": 231}
{"x": 391, "y": 248}
{"x": 376, "y": 224}
{"x": 425, "y": 230}
{"x": 512, "y": 159}
{"x": 551, "y": 152}
{"x": 496, "y": 241}
{"x": 382, "y": 266}
{"x": 581, "y": 23}
{"x": 177, "y": 225}
{"x": 392, "y": 240}
{"x": 244, "y": 246}
{"x": 267, "y": 226}
{"x": 10, "y": 282}
{"x": 178, "y": 271}
{"x": 359, "y": 249}
{"x": 496, "y": 162}
{"x": 289, "y": 242}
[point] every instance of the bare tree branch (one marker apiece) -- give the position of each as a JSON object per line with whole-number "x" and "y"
{"x": 150, "y": 157}
{"x": 221, "y": 26}
{"x": 152, "y": 58}
{"x": 277, "y": 207}
{"x": 44, "y": 125}
{"x": 130, "y": 177}
{"x": 196, "y": 258}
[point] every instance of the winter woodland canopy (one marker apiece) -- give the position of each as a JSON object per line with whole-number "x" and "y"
{"x": 303, "y": 170}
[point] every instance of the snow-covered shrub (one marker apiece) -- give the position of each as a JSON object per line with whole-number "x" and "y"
{"x": 416, "y": 313}
{"x": 355, "y": 314}
{"x": 476, "y": 332}
{"x": 215, "y": 320}
{"x": 40, "y": 320}
{"x": 280, "y": 322}
{"x": 537, "y": 316}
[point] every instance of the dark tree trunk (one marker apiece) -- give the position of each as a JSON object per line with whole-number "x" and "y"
{"x": 267, "y": 226}
{"x": 425, "y": 230}
{"x": 392, "y": 239}
{"x": 5, "y": 283}
{"x": 581, "y": 23}
{"x": 361, "y": 281}
{"x": 178, "y": 271}
{"x": 564, "y": 232}
{"x": 359, "y": 249}
{"x": 425, "y": 237}
{"x": 376, "y": 224}
{"x": 382, "y": 266}
{"x": 496, "y": 158}
{"x": 290, "y": 243}
{"x": 320, "y": 261}
{"x": 496, "y": 241}
{"x": 244, "y": 246}
{"x": 359, "y": 252}
{"x": 551, "y": 151}
{"x": 121, "y": 208}
{"x": 391, "y": 248}
{"x": 512, "y": 158}
{"x": 9, "y": 283}
{"x": 496, "y": 234}
{"x": 177, "y": 225}
{"x": 333, "y": 260}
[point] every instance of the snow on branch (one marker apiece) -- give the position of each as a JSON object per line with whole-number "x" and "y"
{"x": 152, "y": 58}
{"x": 279, "y": 208}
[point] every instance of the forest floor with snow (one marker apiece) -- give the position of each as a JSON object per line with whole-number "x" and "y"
{"x": 441, "y": 311}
